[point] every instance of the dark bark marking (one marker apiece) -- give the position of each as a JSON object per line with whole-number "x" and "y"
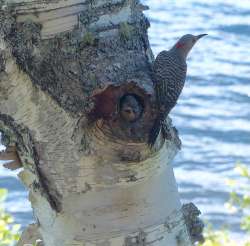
{"x": 139, "y": 240}
{"x": 2, "y": 63}
{"x": 27, "y": 147}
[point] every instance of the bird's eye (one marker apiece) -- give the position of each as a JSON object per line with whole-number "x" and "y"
{"x": 193, "y": 40}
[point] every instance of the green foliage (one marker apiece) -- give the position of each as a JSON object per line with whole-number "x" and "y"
{"x": 242, "y": 202}
{"x": 8, "y": 231}
{"x": 217, "y": 238}
{"x": 125, "y": 31}
{"x": 88, "y": 39}
{"x": 237, "y": 202}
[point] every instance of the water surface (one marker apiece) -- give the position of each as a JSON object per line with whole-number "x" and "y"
{"x": 213, "y": 114}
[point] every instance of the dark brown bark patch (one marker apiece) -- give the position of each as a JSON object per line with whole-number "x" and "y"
{"x": 127, "y": 110}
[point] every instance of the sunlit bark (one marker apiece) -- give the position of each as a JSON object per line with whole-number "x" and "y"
{"x": 70, "y": 71}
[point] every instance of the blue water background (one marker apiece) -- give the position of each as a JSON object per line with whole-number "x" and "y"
{"x": 213, "y": 114}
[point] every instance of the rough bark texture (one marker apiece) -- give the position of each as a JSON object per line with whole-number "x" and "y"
{"x": 77, "y": 102}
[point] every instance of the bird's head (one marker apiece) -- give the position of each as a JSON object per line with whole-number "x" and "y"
{"x": 131, "y": 107}
{"x": 186, "y": 43}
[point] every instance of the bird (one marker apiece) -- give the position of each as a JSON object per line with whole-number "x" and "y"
{"x": 169, "y": 75}
{"x": 130, "y": 108}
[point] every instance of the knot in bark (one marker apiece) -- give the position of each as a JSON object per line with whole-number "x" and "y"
{"x": 194, "y": 224}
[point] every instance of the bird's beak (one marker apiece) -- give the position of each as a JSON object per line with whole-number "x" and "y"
{"x": 200, "y": 36}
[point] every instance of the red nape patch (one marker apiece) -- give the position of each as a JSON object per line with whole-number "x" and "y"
{"x": 179, "y": 45}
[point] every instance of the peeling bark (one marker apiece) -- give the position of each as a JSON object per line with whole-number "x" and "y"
{"x": 77, "y": 101}
{"x": 11, "y": 155}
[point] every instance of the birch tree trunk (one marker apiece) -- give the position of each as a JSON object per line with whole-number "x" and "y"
{"x": 76, "y": 106}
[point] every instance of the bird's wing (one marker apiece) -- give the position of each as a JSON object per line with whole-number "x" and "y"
{"x": 162, "y": 76}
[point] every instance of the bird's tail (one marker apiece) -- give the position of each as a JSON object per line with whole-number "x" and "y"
{"x": 155, "y": 130}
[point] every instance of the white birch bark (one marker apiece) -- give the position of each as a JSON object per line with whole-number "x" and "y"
{"x": 90, "y": 182}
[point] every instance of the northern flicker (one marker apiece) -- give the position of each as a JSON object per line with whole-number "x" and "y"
{"x": 169, "y": 75}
